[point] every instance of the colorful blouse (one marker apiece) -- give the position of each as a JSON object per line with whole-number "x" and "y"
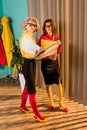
{"x": 28, "y": 40}
{"x": 49, "y": 38}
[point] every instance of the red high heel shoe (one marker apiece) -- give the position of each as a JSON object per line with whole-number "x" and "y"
{"x": 40, "y": 120}
{"x": 65, "y": 109}
{"x": 50, "y": 107}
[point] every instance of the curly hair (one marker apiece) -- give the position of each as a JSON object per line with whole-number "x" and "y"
{"x": 26, "y": 21}
{"x": 52, "y": 24}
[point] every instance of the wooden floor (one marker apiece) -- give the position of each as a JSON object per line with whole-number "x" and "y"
{"x": 12, "y": 119}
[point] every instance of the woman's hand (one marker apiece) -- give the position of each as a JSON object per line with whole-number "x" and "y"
{"x": 38, "y": 52}
{"x": 54, "y": 56}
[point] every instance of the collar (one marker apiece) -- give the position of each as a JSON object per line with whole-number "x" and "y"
{"x": 29, "y": 35}
{"x": 49, "y": 36}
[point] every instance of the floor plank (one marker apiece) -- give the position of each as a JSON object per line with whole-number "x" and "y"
{"x": 12, "y": 119}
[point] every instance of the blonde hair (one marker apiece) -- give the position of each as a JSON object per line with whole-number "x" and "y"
{"x": 26, "y": 21}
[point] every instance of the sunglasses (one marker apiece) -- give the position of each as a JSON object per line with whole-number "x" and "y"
{"x": 32, "y": 25}
{"x": 48, "y": 26}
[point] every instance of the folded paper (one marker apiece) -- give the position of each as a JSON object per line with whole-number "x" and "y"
{"x": 49, "y": 50}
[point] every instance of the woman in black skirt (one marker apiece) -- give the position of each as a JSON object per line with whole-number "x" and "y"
{"x": 27, "y": 45}
{"x": 50, "y": 66}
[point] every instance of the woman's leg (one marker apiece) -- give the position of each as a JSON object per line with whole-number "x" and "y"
{"x": 49, "y": 93}
{"x": 59, "y": 91}
{"x": 24, "y": 97}
{"x": 32, "y": 100}
{"x": 28, "y": 71}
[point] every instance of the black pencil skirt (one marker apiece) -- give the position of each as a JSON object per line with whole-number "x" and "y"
{"x": 29, "y": 75}
{"x": 51, "y": 71}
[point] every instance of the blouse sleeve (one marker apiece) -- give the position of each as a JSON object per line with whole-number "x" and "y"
{"x": 59, "y": 49}
{"x": 28, "y": 48}
{"x": 60, "y": 46}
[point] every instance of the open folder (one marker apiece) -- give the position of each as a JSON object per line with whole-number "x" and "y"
{"x": 49, "y": 50}
{"x": 30, "y": 47}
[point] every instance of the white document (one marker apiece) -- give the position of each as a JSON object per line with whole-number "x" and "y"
{"x": 29, "y": 46}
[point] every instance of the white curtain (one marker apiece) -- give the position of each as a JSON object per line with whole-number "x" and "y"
{"x": 71, "y": 20}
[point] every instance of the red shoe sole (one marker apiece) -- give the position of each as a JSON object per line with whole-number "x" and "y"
{"x": 40, "y": 120}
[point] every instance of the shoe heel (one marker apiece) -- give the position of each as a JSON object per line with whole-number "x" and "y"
{"x": 50, "y": 107}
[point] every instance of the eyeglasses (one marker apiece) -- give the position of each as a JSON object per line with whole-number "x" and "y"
{"x": 32, "y": 25}
{"x": 48, "y": 26}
